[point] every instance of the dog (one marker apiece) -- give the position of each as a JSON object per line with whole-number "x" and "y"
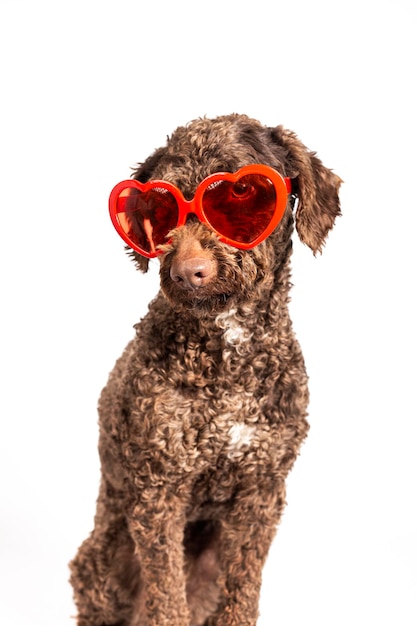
{"x": 204, "y": 413}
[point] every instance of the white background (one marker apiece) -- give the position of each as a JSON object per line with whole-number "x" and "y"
{"x": 88, "y": 89}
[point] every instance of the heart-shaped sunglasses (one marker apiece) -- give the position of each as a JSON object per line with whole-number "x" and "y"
{"x": 241, "y": 208}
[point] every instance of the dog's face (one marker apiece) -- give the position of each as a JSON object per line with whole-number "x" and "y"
{"x": 202, "y": 276}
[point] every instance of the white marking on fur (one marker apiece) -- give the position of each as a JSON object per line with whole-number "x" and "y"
{"x": 234, "y": 333}
{"x": 240, "y": 435}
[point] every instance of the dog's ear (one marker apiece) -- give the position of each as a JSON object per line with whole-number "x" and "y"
{"x": 141, "y": 262}
{"x": 316, "y": 186}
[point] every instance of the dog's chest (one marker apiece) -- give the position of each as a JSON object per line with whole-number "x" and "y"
{"x": 195, "y": 429}
{"x": 202, "y": 406}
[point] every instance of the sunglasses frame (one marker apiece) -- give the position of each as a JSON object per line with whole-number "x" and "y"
{"x": 282, "y": 186}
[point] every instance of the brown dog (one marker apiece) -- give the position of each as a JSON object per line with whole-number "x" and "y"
{"x": 204, "y": 413}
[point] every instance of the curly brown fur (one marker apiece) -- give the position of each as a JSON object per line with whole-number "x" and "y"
{"x": 205, "y": 411}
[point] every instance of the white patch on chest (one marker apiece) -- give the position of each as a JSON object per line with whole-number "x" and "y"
{"x": 234, "y": 333}
{"x": 240, "y": 437}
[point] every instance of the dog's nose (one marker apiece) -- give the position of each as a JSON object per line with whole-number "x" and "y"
{"x": 192, "y": 273}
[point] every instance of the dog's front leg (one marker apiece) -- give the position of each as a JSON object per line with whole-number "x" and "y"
{"x": 246, "y": 536}
{"x": 157, "y": 526}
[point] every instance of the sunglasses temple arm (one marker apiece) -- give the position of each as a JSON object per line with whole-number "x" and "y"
{"x": 288, "y": 184}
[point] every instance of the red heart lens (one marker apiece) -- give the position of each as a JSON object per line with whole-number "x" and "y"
{"x": 241, "y": 210}
{"x": 146, "y": 217}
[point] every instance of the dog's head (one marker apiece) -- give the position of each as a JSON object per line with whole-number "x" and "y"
{"x": 203, "y": 275}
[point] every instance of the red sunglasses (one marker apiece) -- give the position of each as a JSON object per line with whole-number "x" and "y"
{"x": 241, "y": 208}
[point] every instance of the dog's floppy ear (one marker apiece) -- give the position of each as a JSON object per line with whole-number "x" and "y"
{"x": 141, "y": 262}
{"x": 316, "y": 186}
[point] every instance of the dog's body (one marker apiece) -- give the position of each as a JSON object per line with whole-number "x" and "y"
{"x": 204, "y": 413}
